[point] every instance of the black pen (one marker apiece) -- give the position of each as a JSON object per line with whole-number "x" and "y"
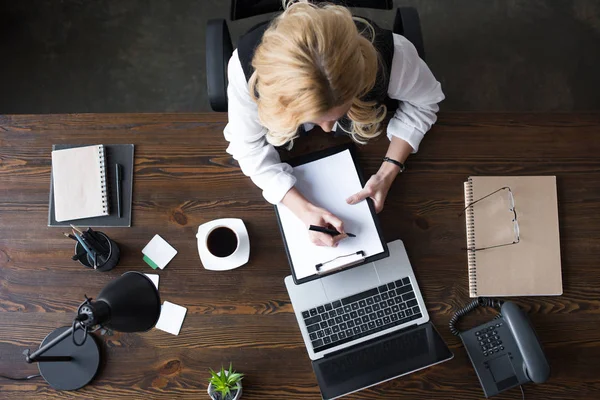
{"x": 91, "y": 242}
{"x": 331, "y": 232}
{"x": 96, "y": 238}
{"x": 119, "y": 178}
{"x": 70, "y": 236}
{"x": 90, "y": 252}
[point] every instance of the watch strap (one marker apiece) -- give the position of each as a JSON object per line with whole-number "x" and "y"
{"x": 398, "y": 163}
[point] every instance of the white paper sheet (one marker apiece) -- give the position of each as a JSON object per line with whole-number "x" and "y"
{"x": 171, "y": 318}
{"x": 154, "y": 278}
{"x": 327, "y": 183}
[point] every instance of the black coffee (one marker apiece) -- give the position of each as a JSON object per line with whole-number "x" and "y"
{"x": 222, "y": 242}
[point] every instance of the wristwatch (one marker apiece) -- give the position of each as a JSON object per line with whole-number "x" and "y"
{"x": 398, "y": 163}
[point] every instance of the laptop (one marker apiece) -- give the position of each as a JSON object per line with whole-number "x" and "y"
{"x": 366, "y": 325}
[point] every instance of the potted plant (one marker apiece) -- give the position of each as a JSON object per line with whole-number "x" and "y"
{"x": 225, "y": 384}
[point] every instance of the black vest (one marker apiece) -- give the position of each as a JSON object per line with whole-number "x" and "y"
{"x": 384, "y": 44}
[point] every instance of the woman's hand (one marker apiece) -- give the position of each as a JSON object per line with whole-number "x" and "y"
{"x": 377, "y": 188}
{"x": 378, "y": 185}
{"x": 318, "y": 216}
{"x": 310, "y": 214}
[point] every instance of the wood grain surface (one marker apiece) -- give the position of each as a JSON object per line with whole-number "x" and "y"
{"x": 184, "y": 177}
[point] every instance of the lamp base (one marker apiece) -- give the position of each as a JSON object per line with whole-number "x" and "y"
{"x": 74, "y": 374}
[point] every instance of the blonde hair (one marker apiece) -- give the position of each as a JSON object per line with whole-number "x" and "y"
{"x": 312, "y": 59}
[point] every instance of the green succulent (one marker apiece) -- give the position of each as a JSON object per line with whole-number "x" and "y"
{"x": 224, "y": 381}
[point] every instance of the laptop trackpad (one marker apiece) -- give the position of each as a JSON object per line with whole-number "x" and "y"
{"x": 351, "y": 281}
{"x": 380, "y": 360}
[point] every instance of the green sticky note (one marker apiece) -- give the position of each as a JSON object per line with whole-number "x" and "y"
{"x": 150, "y": 262}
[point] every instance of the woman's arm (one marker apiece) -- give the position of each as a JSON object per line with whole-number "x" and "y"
{"x": 260, "y": 161}
{"x": 411, "y": 82}
{"x": 378, "y": 185}
{"x": 247, "y": 139}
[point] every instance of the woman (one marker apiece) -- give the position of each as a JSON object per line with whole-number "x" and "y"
{"x": 318, "y": 65}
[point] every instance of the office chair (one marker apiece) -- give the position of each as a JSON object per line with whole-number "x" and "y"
{"x": 219, "y": 46}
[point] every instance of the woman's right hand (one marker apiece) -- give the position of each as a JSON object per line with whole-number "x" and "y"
{"x": 318, "y": 216}
{"x": 310, "y": 214}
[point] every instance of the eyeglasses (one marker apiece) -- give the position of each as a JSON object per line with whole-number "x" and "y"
{"x": 511, "y": 202}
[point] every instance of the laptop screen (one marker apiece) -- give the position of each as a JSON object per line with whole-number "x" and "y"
{"x": 379, "y": 360}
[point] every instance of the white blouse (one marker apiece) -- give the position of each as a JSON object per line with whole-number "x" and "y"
{"x": 411, "y": 81}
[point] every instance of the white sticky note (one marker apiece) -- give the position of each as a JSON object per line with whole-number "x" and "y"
{"x": 154, "y": 278}
{"x": 158, "y": 252}
{"x": 171, "y": 318}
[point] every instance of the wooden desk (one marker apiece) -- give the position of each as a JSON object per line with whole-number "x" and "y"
{"x": 183, "y": 178}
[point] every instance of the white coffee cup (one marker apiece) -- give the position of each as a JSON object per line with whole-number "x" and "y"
{"x": 223, "y": 244}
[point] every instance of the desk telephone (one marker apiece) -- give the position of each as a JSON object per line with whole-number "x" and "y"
{"x": 505, "y": 352}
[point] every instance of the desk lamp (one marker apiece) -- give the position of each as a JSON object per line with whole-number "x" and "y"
{"x": 130, "y": 303}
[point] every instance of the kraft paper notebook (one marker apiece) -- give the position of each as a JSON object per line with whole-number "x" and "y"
{"x": 326, "y": 178}
{"x": 82, "y": 185}
{"x": 530, "y": 267}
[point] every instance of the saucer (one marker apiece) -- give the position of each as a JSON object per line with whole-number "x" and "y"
{"x": 238, "y": 258}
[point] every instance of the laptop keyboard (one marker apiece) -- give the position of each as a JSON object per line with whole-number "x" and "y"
{"x": 360, "y": 315}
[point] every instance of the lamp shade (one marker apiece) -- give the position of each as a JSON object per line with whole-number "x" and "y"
{"x": 132, "y": 301}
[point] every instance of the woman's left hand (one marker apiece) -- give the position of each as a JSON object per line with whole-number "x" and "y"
{"x": 377, "y": 188}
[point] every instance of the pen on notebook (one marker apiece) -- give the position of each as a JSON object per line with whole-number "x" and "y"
{"x": 331, "y": 232}
{"x": 119, "y": 178}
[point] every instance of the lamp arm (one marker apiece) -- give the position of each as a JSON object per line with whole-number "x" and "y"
{"x": 36, "y": 356}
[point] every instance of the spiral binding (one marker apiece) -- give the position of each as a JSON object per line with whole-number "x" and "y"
{"x": 470, "y": 221}
{"x": 102, "y": 162}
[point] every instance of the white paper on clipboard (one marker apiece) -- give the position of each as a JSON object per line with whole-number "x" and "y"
{"x": 327, "y": 183}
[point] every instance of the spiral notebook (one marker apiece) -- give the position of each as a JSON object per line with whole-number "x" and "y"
{"x": 79, "y": 179}
{"x": 528, "y": 268}
{"x": 83, "y": 176}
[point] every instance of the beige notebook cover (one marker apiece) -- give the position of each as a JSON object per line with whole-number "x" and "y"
{"x": 530, "y": 267}
{"x": 79, "y": 180}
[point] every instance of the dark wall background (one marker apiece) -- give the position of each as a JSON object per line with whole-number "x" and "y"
{"x": 148, "y": 55}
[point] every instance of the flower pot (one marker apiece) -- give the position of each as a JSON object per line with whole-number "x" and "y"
{"x": 235, "y": 394}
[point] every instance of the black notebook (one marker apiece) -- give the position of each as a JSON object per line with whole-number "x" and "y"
{"x": 111, "y": 155}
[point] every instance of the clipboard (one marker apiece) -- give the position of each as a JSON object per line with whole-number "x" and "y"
{"x": 344, "y": 260}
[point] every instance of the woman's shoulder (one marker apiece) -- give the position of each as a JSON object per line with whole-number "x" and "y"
{"x": 238, "y": 86}
{"x": 242, "y": 110}
{"x": 404, "y": 47}
{"x": 234, "y": 68}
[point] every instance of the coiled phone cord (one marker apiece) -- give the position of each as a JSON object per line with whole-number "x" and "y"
{"x": 479, "y": 302}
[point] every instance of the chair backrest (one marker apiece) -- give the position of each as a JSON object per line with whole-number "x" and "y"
{"x": 249, "y": 8}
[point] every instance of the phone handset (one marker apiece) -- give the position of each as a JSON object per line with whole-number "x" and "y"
{"x": 535, "y": 363}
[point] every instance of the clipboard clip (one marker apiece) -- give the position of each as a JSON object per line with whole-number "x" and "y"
{"x": 340, "y": 262}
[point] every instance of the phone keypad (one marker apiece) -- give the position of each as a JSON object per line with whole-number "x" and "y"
{"x": 489, "y": 339}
